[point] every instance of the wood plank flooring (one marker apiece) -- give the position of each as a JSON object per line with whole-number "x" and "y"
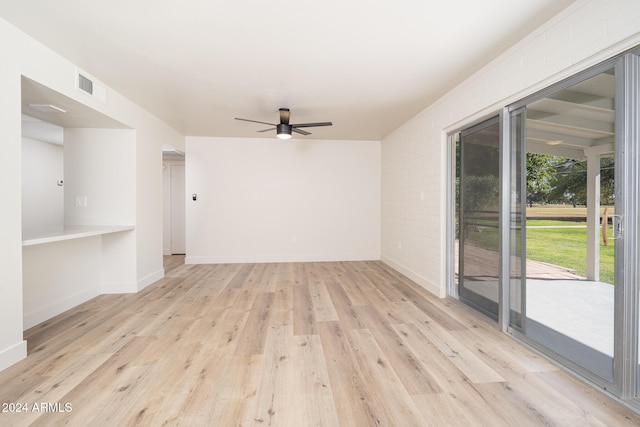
{"x": 287, "y": 344}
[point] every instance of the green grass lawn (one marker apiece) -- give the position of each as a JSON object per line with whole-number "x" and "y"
{"x": 567, "y": 247}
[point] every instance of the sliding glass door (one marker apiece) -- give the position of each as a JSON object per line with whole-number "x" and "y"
{"x": 568, "y": 222}
{"x": 546, "y": 224}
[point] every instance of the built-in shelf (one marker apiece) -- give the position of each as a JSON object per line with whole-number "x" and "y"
{"x": 71, "y": 232}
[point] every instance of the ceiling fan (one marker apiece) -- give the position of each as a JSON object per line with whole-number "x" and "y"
{"x": 284, "y": 128}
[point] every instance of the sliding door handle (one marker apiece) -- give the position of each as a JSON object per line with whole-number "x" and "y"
{"x": 616, "y": 222}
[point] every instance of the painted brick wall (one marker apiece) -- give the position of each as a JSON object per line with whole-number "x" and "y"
{"x": 414, "y": 160}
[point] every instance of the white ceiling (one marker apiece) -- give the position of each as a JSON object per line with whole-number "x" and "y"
{"x": 366, "y": 65}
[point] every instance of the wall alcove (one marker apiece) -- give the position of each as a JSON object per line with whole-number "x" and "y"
{"x": 78, "y": 207}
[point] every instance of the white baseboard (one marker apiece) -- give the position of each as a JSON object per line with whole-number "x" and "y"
{"x": 45, "y": 313}
{"x": 13, "y": 354}
{"x": 278, "y": 258}
{"x": 434, "y": 288}
{"x": 119, "y": 288}
{"x": 150, "y": 279}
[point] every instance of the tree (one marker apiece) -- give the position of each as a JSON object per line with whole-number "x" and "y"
{"x": 607, "y": 180}
{"x": 571, "y": 181}
{"x": 571, "y": 185}
{"x": 541, "y": 176}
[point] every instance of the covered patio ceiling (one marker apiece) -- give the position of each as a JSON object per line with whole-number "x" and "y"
{"x": 576, "y": 121}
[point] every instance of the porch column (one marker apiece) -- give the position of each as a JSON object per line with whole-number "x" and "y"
{"x": 593, "y": 216}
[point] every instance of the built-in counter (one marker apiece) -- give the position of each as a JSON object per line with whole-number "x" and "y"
{"x": 65, "y": 267}
{"x": 71, "y": 232}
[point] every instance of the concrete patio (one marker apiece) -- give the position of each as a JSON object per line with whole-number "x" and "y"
{"x": 579, "y": 309}
{"x": 557, "y": 298}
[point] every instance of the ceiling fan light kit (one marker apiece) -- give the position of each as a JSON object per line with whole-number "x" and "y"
{"x": 284, "y": 129}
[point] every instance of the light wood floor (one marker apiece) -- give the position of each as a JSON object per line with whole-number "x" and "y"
{"x": 292, "y": 344}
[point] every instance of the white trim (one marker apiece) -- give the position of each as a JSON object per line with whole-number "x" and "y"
{"x": 119, "y": 288}
{"x": 434, "y": 288}
{"x": 132, "y": 287}
{"x": 150, "y": 279}
{"x": 13, "y": 354}
{"x": 278, "y": 258}
{"x": 58, "y": 307}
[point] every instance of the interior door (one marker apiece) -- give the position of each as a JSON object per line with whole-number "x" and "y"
{"x": 478, "y": 241}
{"x": 178, "y": 228}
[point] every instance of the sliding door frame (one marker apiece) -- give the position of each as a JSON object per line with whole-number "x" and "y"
{"x": 613, "y": 386}
{"x": 626, "y": 375}
{"x": 629, "y": 372}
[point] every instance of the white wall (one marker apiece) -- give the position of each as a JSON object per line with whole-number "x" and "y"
{"x": 414, "y": 156}
{"x": 265, "y": 200}
{"x": 151, "y": 136}
{"x": 26, "y": 57}
{"x": 42, "y": 197}
{"x": 12, "y": 346}
{"x": 100, "y": 164}
{"x": 77, "y": 279}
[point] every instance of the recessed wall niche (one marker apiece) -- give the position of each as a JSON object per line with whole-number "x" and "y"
{"x": 55, "y": 169}
{"x": 78, "y": 203}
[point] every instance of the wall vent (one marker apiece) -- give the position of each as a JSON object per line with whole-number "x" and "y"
{"x": 85, "y": 84}
{"x": 90, "y": 86}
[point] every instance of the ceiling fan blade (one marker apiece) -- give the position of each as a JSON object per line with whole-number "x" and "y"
{"x": 302, "y": 132}
{"x": 255, "y": 121}
{"x": 285, "y": 114}
{"x": 310, "y": 125}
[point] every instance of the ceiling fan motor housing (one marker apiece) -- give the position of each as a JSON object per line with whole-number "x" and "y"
{"x": 283, "y": 128}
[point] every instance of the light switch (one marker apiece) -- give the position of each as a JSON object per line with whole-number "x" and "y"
{"x": 81, "y": 201}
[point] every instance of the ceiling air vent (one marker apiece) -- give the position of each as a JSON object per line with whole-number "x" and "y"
{"x": 85, "y": 84}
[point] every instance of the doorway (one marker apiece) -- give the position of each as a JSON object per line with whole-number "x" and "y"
{"x": 174, "y": 240}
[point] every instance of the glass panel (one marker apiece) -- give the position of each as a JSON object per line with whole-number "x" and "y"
{"x": 517, "y": 274}
{"x": 570, "y": 137}
{"x": 479, "y": 217}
